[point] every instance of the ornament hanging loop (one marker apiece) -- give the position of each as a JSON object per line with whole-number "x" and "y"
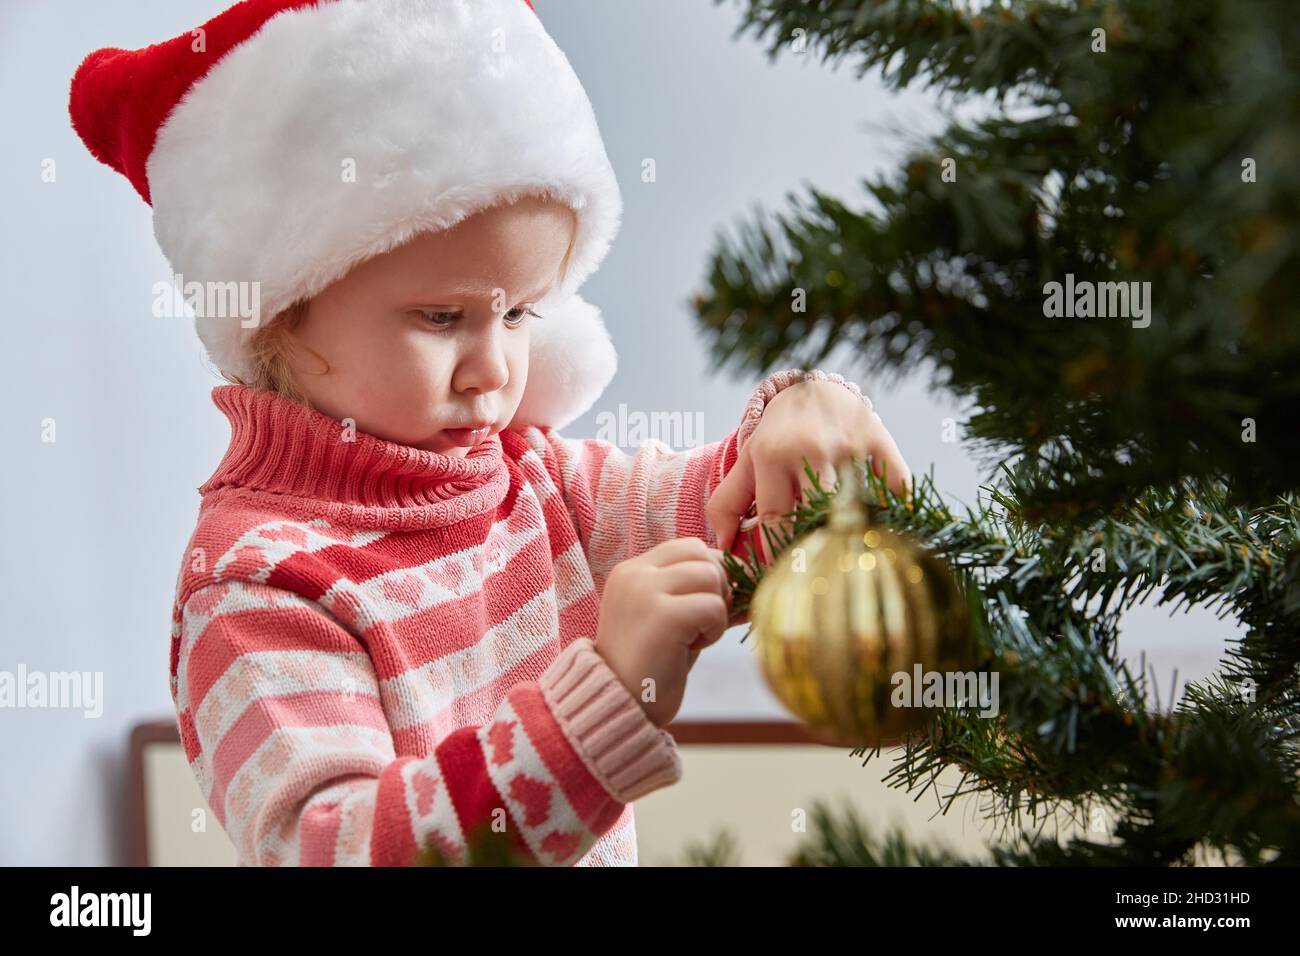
{"x": 847, "y": 509}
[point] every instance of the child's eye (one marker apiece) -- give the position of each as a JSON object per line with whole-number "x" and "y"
{"x": 519, "y": 319}
{"x": 440, "y": 319}
{"x": 514, "y": 318}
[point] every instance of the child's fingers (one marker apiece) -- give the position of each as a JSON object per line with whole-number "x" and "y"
{"x": 731, "y": 499}
{"x": 696, "y": 577}
{"x": 774, "y": 495}
{"x": 900, "y": 476}
{"x": 688, "y": 548}
{"x": 704, "y": 615}
{"x": 737, "y": 619}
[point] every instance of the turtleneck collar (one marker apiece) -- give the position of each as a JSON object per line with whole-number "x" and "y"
{"x": 295, "y": 458}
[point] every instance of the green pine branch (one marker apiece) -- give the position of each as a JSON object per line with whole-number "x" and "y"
{"x": 1126, "y": 141}
{"x": 1074, "y": 729}
{"x": 935, "y": 42}
{"x": 1122, "y": 166}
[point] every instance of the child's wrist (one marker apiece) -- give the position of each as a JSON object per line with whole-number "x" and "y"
{"x": 607, "y": 725}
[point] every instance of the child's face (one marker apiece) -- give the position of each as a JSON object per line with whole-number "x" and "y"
{"x": 434, "y": 335}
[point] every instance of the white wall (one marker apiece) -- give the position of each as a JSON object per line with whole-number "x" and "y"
{"x": 98, "y": 519}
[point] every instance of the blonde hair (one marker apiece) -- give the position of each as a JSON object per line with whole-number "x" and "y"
{"x": 268, "y": 354}
{"x": 270, "y": 347}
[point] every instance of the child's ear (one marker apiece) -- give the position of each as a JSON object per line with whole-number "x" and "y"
{"x": 571, "y": 360}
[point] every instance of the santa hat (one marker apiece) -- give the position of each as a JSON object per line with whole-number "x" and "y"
{"x": 285, "y": 141}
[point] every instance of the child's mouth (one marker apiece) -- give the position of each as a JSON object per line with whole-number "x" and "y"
{"x": 466, "y": 437}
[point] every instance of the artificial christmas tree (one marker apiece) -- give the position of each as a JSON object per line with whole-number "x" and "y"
{"x": 1104, "y": 267}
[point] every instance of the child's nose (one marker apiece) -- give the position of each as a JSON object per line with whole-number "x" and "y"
{"x": 482, "y": 363}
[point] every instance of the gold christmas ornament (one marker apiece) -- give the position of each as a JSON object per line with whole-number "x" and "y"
{"x": 845, "y": 609}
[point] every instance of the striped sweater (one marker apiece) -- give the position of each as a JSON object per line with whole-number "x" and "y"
{"x": 376, "y": 648}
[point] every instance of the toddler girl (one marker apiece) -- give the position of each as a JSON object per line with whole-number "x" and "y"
{"x": 410, "y": 608}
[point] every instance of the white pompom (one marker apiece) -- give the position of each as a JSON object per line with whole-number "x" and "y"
{"x": 571, "y": 360}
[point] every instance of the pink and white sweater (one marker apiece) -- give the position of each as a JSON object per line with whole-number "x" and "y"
{"x": 376, "y": 647}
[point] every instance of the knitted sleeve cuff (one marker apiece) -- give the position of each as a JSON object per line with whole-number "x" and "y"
{"x": 606, "y": 726}
{"x": 777, "y": 382}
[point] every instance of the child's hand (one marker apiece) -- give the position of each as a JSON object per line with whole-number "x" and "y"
{"x": 657, "y": 612}
{"x": 822, "y": 421}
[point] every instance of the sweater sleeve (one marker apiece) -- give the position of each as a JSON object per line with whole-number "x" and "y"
{"x": 284, "y": 723}
{"x": 624, "y": 504}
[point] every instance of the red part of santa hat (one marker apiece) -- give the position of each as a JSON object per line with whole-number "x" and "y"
{"x": 120, "y": 98}
{"x": 285, "y": 141}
